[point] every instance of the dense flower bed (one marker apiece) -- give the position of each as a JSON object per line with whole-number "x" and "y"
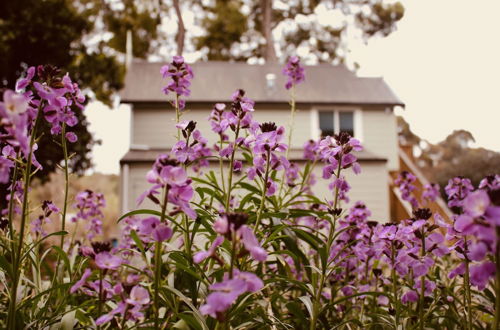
{"x": 253, "y": 251}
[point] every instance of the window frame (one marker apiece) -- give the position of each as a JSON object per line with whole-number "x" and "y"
{"x": 357, "y": 120}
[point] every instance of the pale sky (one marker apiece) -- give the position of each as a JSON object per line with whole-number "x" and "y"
{"x": 443, "y": 62}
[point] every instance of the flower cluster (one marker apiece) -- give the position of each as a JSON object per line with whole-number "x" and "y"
{"x": 170, "y": 179}
{"x": 37, "y": 224}
{"x": 232, "y": 226}
{"x": 13, "y": 128}
{"x": 294, "y": 72}
{"x": 89, "y": 205}
{"x": 431, "y": 192}
{"x": 266, "y": 143}
{"x": 57, "y": 96}
{"x": 476, "y": 225}
{"x": 405, "y": 184}
{"x": 225, "y": 293}
{"x": 193, "y": 151}
{"x": 181, "y": 74}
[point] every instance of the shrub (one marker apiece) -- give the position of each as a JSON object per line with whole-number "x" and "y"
{"x": 255, "y": 251}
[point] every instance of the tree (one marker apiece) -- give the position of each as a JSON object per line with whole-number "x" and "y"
{"x": 225, "y": 25}
{"x": 130, "y": 15}
{"x": 451, "y": 157}
{"x": 326, "y": 41}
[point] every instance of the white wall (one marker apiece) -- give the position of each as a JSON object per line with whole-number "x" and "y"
{"x": 377, "y": 129}
{"x": 370, "y": 186}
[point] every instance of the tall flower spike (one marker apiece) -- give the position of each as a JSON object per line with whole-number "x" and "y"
{"x": 294, "y": 71}
{"x": 181, "y": 74}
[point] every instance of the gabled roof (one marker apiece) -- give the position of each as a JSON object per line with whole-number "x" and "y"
{"x": 216, "y": 81}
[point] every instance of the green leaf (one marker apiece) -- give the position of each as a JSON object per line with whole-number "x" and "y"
{"x": 59, "y": 233}
{"x": 137, "y": 212}
{"x": 181, "y": 324}
{"x": 306, "y": 300}
{"x": 63, "y": 256}
{"x": 68, "y": 321}
{"x": 6, "y": 266}
{"x": 190, "y": 322}
{"x": 187, "y": 301}
{"x": 249, "y": 187}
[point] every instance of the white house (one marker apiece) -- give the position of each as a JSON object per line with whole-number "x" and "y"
{"x": 332, "y": 99}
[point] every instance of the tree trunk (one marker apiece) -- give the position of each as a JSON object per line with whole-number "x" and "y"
{"x": 181, "y": 30}
{"x": 267, "y": 13}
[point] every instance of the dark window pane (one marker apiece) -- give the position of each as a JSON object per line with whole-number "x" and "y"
{"x": 326, "y": 123}
{"x": 346, "y": 119}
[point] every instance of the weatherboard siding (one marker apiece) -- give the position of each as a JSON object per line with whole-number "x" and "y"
{"x": 155, "y": 128}
{"x": 370, "y": 186}
{"x": 380, "y": 135}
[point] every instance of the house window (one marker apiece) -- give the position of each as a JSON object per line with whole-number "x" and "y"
{"x": 334, "y": 122}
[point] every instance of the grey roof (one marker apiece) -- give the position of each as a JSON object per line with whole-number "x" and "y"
{"x": 150, "y": 155}
{"x": 216, "y": 81}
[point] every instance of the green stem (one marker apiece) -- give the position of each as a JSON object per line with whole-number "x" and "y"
{"x": 157, "y": 264}
{"x": 290, "y": 132}
{"x": 11, "y": 203}
{"x": 317, "y": 298}
{"x": 177, "y": 116}
{"x": 264, "y": 191}
{"x": 231, "y": 164}
{"x": 65, "y": 201}
{"x": 467, "y": 287}
{"x": 292, "y": 120}
{"x": 221, "y": 167}
{"x": 233, "y": 255}
{"x": 422, "y": 288}
{"x": 187, "y": 239}
{"x": 497, "y": 284}
{"x": 66, "y": 183}
{"x": 16, "y": 257}
{"x": 100, "y": 301}
{"x": 394, "y": 284}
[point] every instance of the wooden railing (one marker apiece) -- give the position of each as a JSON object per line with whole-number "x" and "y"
{"x": 401, "y": 209}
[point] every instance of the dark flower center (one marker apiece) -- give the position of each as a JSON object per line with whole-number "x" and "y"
{"x": 422, "y": 214}
{"x": 268, "y": 127}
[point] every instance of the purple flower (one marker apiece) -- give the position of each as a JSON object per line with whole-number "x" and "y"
{"x": 14, "y": 121}
{"x": 24, "y": 82}
{"x": 81, "y": 282}
{"x": 224, "y": 295}
{"x": 457, "y": 189}
{"x": 252, "y": 244}
{"x": 106, "y": 260}
{"x": 202, "y": 255}
{"x": 431, "y": 192}
{"x": 294, "y": 72}
{"x": 490, "y": 183}
{"x": 5, "y": 166}
{"x": 14, "y": 103}
{"x": 181, "y": 75}
{"x": 138, "y": 296}
{"x": 481, "y": 273}
{"x": 409, "y": 296}
{"x": 162, "y": 233}
{"x": 405, "y": 184}
{"x": 89, "y": 205}
{"x": 459, "y": 270}
{"x": 252, "y": 281}
{"x": 476, "y": 203}
{"x": 226, "y": 292}
{"x": 120, "y": 309}
{"x": 166, "y": 173}
{"x": 71, "y": 137}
